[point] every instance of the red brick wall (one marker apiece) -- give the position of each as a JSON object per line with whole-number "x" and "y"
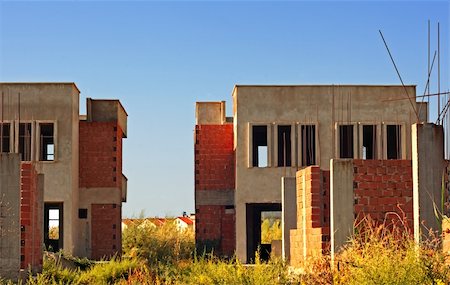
{"x": 383, "y": 190}
{"x": 313, "y": 199}
{"x": 100, "y": 154}
{"x": 214, "y": 157}
{"x": 106, "y": 238}
{"x": 31, "y": 219}
{"x": 215, "y": 170}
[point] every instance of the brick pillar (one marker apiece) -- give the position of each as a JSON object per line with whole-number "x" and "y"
{"x": 31, "y": 214}
{"x": 312, "y": 236}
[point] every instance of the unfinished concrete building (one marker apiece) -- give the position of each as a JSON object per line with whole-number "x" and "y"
{"x": 314, "y": 137}
{"x": 75, "y": 165}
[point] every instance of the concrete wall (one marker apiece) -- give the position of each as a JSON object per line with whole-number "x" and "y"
{"x": 57, "y": 103}
{"x": 9, "y": 210}
{"x": 341, "y": 202}
{"x": 210, "y": 113}
{"x": 326, "y": 106}
{"x": 428, "y": 169}
{"x": 288, "y": 214}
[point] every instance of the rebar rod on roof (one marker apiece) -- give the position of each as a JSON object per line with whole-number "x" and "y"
{"x": 399, "y": 76}
{"x": 427, "y": 85}
{"x": 439, "y": 72}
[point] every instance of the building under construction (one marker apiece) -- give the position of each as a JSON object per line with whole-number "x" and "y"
{"x": 61, "y": 174}
{"x": 320, "y": 155}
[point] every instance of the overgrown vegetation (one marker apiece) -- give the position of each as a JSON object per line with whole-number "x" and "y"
{"x": 270, "y": 230}
{"x": 163, "y": 255}
{"x": 158, "y": 244}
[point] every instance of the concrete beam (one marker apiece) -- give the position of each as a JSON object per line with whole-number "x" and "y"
{"x": 341, "y": 203}
{"x": 428, "y": 168}
{"x": 288, "y": 214}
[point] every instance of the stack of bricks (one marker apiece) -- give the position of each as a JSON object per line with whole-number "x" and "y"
{"x": 313, "y": 215}
{"x": 215, "y": 172}
{"x": 383, "y": 190}
{"x": 106, "y": 237}
{"x": 31, "y": 213}
{"x": 100, "y": 154}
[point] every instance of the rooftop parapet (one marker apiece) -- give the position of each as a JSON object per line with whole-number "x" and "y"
{"x": 107, "y": 111}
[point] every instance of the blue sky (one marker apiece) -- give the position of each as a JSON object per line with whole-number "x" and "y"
{"x": 159, "y": 58}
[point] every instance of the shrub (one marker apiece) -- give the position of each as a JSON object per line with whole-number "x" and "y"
{"x": 164, "y": 243}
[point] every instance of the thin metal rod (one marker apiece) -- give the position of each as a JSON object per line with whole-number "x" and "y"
{"x": 420, "y": 96}
{"x": 439, "y": 73}
{"x": 428, "y": 56}
{"x": 444, "y": 112}
{"x": 428, "y": 83}
{"x": 399, "y": 76}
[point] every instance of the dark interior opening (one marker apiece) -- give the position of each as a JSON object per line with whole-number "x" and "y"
{"x": 253, "y": 225}
{"x": 47, "y": 151}
{"x": 393, "y": 138}
{"x": 53, "y": 226}
{"x": 5, "y": 137}
{"x": 308, "y": 137}
{"x": 25, "y": 141}
{"x": 259, "y": 134}
{"x": 284, "y": 145}
{"x": 369, "y": 142}
{"x": 346, "y": 141}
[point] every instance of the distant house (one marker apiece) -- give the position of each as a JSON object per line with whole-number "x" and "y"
{"x": 183, "y": 223}
{"x": 143, "y": 223}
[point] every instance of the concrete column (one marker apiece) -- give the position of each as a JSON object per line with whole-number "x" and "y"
{"x": 288, "y": 214}
{"x": 428, "y": 166}
{"x": 9, "y": 215}
{"x": 341, "y": 203}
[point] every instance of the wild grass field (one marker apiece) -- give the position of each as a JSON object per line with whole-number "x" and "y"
{"x": 164, "y": 255}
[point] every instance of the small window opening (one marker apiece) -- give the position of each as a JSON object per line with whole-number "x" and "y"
{"x": 47, "y": 142}
{"x": 308, "y": 137}
{"x": 369, "y": 148}
{"x": 346, "y": 141}
{"x": 25, "y": 141}
{"x": 5, "y": 137}
{"x": 284, "y": 145}
{"x": 82, "y": 213}
{"x": 393, "y": 137}
{"x": 259, "y": 147}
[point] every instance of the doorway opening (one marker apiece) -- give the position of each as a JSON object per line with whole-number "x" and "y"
{"x": 261, "y": 217}
{"x": 53, "y": 226}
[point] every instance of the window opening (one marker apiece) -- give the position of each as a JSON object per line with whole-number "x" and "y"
{"x": 284, "y": 145}
{"x": 25, "y": 141}
{"x": 47, "y": 142}
{"x": 308, "y": 137}
{"x": 369, "y": 147}
{"x": 5, "y": 137}
{"x": 346, "y": 141}
{"x": 259, "y": 134}
{"x": 393, "y": 138}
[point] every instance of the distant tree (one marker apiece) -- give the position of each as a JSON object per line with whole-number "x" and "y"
{"x": 270, "y": 230}
{"x": 53, "y": 232}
